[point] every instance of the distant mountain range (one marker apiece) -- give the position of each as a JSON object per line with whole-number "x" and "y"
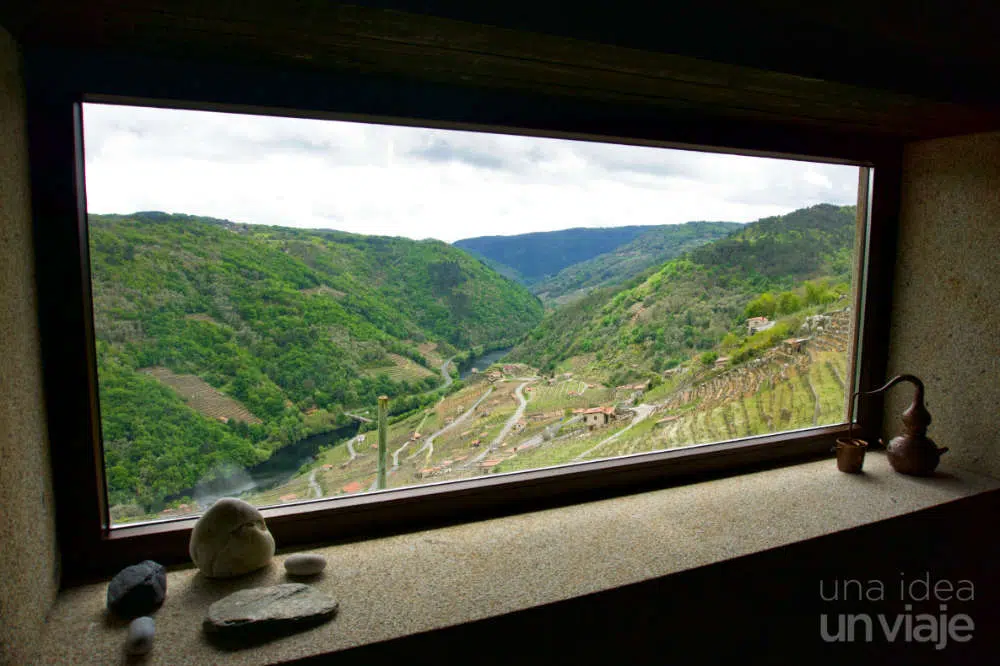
{"x": 649, "y": 249}
{"x": 560, "y": 265}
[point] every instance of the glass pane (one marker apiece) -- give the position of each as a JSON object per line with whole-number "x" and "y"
{"x": 522, "y": 302}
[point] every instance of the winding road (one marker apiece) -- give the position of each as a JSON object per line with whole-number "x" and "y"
{"x": 429, "y": 442}
{"x": 395, "y": 455}
{"x": 317, "y": 490}
{"x": 507, "y": 427}
{"x": 350, "y": 446}
{"x": 445, "y": 374}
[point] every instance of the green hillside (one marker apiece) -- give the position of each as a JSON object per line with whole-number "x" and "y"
{"x": 293, "y": 326}
{"x": 783, "y": 267}
{"x": 651, "y": 248}
{"x": 529, "y": 258}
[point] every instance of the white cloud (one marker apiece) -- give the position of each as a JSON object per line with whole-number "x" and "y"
{"x": 405, "y": 181}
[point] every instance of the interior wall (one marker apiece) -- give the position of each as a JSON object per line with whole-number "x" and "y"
{"x": 946, "y": 307}
{"x": 28, "y": 555}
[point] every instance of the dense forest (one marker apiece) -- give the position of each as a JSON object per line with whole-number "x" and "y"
{"x": 292, "y": 326}
{"x": 650, "y": 249}
{"x": 778, "y": 267}
{"x": 529, "y": 258}
{"x": 589, "y": 256}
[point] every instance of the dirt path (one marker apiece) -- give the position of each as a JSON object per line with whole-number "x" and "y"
{"x": 508, "y": 426}
{"x": 642, "y": 412}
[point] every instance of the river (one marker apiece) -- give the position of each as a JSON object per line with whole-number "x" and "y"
{"x": 276, "y": 470}
{"x": 480, "y": 363}
{"x": 287, "y": 461}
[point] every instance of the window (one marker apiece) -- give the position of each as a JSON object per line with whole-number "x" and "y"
{"x": 523, "y": 302}
{"x": 89, "y": 321}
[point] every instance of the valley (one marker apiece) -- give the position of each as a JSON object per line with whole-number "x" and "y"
{"x": 246, "y": 360}
{"x": 509, "y": 419}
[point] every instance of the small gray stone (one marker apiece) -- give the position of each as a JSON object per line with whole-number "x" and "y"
{"x": 138, "y": 589}
{"x": 277, "y": 609}
{"x": 304, "y": 564}
{"x": 140, "y": 635}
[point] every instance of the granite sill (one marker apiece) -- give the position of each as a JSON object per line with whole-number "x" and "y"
{"x": 410, "y": 583}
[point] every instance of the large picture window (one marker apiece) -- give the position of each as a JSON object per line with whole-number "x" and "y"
{"x": 525, "y": 303}
{"x": 561, "y": 299}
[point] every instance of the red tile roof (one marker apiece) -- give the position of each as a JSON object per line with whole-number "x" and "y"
{"x": 352, "y": 487}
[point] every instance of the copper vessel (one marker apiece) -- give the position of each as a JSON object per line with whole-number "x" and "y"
{"x": 850, "y": 455}
{"x": 913, "y": 452}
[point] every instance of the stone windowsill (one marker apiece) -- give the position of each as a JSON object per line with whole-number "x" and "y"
{"x": 405, "y": 584}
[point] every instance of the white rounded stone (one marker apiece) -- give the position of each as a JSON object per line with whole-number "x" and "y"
{"x": 231, "y": 539}
{"x": 140, "y": 635}
{"x": 304, "y": 564}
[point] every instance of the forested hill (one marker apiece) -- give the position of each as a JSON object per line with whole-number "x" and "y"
{"x": 531, "y": 257}
{"x": 777, "y": 266}
{"x": 294, "y": 326}
{"x": 651, "y": 248}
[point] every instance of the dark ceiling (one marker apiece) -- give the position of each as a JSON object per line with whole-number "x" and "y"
{"x": 908, "y": 69}
{"x": 948, "y": 50}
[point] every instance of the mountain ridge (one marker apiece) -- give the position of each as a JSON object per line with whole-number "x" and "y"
{"x": 693, "y": 302}
{"x": 532, "y": 256}
{"x": 649, "y": 249}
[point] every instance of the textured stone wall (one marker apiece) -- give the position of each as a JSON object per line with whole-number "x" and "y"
{"x": 28, "y": 555}
{"x": 946, "y": 307}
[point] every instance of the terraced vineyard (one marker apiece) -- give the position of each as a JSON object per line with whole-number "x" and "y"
{"x": 786, "y": 389}
{"x": 203, "y": 397}
{"x": 402, "y": 369}
{"x": 796, "y": 384}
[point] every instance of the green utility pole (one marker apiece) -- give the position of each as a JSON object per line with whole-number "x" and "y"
{"x": 383, "y": 433}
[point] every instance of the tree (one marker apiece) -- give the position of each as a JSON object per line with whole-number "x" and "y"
{"x": 789, "y": 302}
{"x": 817, "y": 293}
{"x": 764, "y": 305}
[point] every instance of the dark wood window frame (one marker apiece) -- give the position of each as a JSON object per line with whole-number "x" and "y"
{"x": 58, "y": 82}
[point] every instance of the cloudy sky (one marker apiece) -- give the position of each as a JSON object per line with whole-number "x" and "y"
{"x": 420, "y": 183}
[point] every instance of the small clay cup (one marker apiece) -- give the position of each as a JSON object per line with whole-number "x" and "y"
{"x": 851, "y": 455}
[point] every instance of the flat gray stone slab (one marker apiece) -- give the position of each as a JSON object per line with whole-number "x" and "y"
{"x": 269, "y": 611}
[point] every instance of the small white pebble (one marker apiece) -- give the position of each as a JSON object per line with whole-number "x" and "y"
{"x": 140, "y": 635}
{"x": 304, "y": 564}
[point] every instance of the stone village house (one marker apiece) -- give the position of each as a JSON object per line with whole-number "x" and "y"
{"x": 596, "y": 417}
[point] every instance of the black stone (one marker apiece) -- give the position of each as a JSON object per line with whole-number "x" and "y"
{"x": 137, "y": 590}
